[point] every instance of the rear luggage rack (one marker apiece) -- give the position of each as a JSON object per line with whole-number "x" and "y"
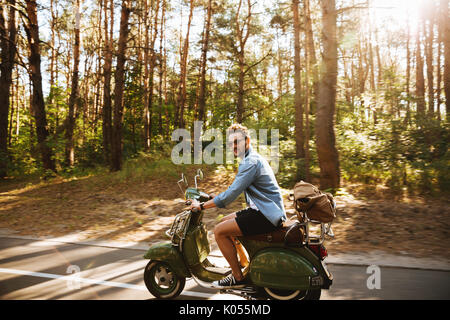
{"x": 315, "y": 231}
{"x": 318, "y": 238}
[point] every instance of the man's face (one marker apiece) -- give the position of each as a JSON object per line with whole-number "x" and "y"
{"x": 238, "y": 143}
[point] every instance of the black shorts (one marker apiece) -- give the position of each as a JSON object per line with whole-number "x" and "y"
{"x": 252, "y": 222}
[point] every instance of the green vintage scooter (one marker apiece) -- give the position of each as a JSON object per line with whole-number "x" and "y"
{"x": 283, "y": 265}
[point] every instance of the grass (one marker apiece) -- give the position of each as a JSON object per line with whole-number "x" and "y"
{"x": 90, "y": 199}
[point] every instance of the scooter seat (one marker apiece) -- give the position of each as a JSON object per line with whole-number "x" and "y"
{"x": 289, "y": 235}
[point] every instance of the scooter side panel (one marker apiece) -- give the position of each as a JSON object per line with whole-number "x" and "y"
{"x": 196, "y": 246}
{"x": 282, "y": 269}
{"x": 167, "y": 253}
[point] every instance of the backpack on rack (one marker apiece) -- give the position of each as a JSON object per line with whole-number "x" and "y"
{"x": 317, "y": 205}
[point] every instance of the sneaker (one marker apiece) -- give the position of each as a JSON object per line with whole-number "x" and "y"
{"x": 229, "y": 282}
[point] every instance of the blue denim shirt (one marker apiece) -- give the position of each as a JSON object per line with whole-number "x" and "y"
{"x": 256, "y": 179}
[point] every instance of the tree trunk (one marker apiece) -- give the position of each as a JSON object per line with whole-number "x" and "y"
{"x": 241, "y": 91}
{"x": 379, "y": 66}
{"x": 325, "y": 137}
{"x": 119, "y": 77}
{"x": 307, "y": 96}
{"x": 98, "y": 74}
{"x": 298, "y": 103}
{"x": 161, "y": 68}
{"x": 8, "y": 51}
{"x": 147, "y": 32}
{"x": 429, "y": 35}
{"x": 279, "y": 66}
{"x": 107, "y": 69}
{"x": 52, "y": 59}
{"x": 152, "y": 74}
{"x": 181, "y": 100}
{"x": 311, "y": 55}
{"x": 242, "y": 37}
{"x": 420, "y": 81}
{"x": 11, "y": 114}
{"x": 151, "y": 33}
{"x": 166, "y": 91}
{"x": 71, "y": 116}
{"x": 201, "y": 104}
{"x": 408, "y": 72}
{"x": 37, "y": 100}
{"x": 371, "y": 66}
{"x": 56, "y": 79}
{"x": 446, "y": 39}
{"x": 441, "y": 18}
{"x": 19, "y": 104}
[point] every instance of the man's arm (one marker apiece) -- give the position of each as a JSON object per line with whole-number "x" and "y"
{"x": 242, "y": 181}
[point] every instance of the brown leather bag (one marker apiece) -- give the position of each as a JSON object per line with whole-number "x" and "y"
{"x": 289, "y": 235}
{"x": 317, "y": 205}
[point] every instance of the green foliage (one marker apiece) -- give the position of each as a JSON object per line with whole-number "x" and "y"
{"x": 394, "y": 153}
{"x": 377, "y": 143}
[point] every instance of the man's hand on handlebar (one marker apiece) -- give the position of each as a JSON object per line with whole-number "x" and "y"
{"x": 194, "y": 205}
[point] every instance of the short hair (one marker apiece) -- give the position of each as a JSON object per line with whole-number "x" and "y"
{"x": 238, "y": 128}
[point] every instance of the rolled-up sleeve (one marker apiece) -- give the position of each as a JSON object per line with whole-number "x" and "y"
{"x": 244, "y": 178}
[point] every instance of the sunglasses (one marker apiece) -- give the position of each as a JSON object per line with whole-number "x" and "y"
{"x": 235, "y": 142}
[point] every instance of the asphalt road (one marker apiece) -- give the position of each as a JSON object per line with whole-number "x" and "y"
{"x": 31, "y": 269}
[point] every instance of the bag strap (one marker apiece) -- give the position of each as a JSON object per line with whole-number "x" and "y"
{"x": 296, "y": 224}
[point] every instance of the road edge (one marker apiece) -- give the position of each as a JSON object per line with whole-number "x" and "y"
{"x": 378, "y": 258}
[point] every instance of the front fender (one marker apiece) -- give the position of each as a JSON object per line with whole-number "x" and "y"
{"x": 167, "y": 253}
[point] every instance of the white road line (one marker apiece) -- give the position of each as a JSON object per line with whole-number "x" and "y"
{"x": 74, "y": 278}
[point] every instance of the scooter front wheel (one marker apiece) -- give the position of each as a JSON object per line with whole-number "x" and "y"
{"x": 162, "y": 281}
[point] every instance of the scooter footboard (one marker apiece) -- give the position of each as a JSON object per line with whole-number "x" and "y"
{"x": 167, "y": 253}
{"x": 282, "y": 269}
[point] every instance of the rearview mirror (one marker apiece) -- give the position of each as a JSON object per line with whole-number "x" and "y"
{"x": 199, "y": 175}
{"x": 184, "y": 181}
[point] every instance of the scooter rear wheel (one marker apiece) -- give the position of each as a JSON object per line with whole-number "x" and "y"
{"x": 281, "y": 294}
{"x": 162, "y": 281}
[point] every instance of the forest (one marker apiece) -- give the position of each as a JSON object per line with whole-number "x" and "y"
{"x": 358, "y": 89}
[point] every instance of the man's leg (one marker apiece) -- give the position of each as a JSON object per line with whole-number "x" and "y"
{"x": 228, "y": 217}
{"x": 243, "y": 260}
{"x": 224, "y": 233}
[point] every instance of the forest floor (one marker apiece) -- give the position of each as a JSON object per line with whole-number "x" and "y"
{"x": 369, "y": 218}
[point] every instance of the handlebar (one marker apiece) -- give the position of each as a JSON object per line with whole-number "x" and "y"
{"x": 188, "y": 203}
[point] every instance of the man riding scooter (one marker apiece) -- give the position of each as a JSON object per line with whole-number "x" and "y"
{"x": 265, "y": 211}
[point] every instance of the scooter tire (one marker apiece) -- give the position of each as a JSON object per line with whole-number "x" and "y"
{"x": 162, "y": 281}
{"x": 276, "y": 294}
{"x": 313, "y": 294}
